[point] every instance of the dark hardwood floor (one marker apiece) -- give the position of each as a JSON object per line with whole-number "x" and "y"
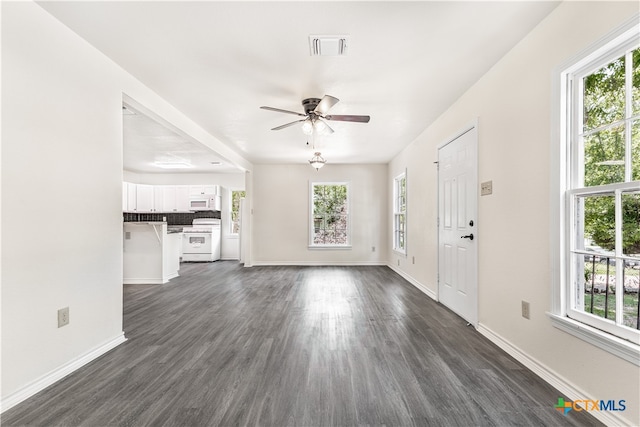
{"x": 308, "y": 346}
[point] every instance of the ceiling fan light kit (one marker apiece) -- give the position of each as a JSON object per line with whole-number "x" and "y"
{"x": 307, "y": 127}
{"x": 317, "y": 161}
{"x": 310, "y": 126}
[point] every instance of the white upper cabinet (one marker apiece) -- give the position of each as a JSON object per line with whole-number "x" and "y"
{"x": 129, "y": 194}
{"x": 144, "y": 198}
{"x": 175, "y": 198}
{"x": 165, "y": 198}
{"x": 203, "y": 190}
{"x": 158, "y": 198}
{"x": 182, "y": 198}
{"x": 168, "y": 198}
{"x": 217, "y": 203}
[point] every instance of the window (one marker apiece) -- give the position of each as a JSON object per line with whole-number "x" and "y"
{"x": 329, "y": 222}
{"x": 601, "y": 212}
{"x": 400, "y": 213}
{"x": 236, "y": 196}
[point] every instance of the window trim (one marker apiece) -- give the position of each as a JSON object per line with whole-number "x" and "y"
{"x": 315, "y": 246}
{"x": 560, "y": 203}
{"x": 396, "y": 212}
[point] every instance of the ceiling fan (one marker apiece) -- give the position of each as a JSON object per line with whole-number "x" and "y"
{"x": 315, "y": 114}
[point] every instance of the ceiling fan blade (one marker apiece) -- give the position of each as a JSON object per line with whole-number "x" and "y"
{"x": 325, "y": 104}
{"x": 287, "y": 125}
{"x": 349, "y": 118}
{"x": 326, "y": 129}
{"x": 279, "y": 110}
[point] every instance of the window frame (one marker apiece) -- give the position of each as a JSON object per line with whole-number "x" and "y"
{"x": 312, "y": 245}
{"x": 564, "y": 164}
{"x": 399, "y": 211}
{"x": 616, "y": 191}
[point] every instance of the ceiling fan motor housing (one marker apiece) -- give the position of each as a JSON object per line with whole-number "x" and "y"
{"x": 310, "y": 104}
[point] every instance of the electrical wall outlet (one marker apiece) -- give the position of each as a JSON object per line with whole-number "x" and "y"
{"x": 525, "y": 310}
{"x": 63, "y": 317}
{"x": 486, "y": 188}
{"x": 373, "y": 248}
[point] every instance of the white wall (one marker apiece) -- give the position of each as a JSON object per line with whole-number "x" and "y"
{"x": 281, "y": 214}
{"x": 422, "y": 214}
{"x": 61, "y": 153}
{"x": 62, "y": 157}
{"x": 513, "y": 105}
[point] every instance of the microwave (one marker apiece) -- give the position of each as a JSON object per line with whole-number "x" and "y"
{"x": 211, "y": 203}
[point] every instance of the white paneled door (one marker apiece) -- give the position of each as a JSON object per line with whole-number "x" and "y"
{"x": 457, "y": 225}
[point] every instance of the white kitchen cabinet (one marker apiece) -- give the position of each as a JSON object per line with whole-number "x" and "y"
{"x": 203, "y": 190}
{"x": 175, "y": 198}
{"x": 217, "y": 203}
{"x": 182, "y": 198}
{"x": 168, "y": 198}
{"x": 158, "y": 198}
{"x": 130, "y": 204}
{"x": 144, "y": 198}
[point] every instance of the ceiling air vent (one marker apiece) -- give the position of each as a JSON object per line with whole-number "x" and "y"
{"x": 328, "y": 45}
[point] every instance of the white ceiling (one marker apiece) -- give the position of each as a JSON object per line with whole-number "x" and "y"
{"x": 218, "y": 62}
{"x": 149, "y": 142}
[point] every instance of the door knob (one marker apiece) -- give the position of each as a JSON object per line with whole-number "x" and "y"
{"x": 468, "y": 236}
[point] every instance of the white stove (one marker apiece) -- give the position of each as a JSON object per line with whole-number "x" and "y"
{"x": 201, "y": 241}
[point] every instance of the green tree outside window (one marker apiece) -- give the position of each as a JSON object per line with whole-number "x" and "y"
{"x": 605, "y": 121}
{"x": 236, "y": 196}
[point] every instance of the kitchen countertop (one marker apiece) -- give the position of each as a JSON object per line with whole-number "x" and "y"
{"x": 176, "y": 228}
{"x": 171, "y": 229}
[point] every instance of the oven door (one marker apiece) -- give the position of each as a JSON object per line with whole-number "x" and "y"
{"x": 196, "y": 247}
{"x": 196, "y": 243}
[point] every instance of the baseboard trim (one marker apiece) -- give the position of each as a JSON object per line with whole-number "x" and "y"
{"x": 567, "y": 388}
{"x": 143, "y": 281}
{"x": 57, "y": 374}
{"x": 428, "y": 292}
{"x": 314, "y": 264}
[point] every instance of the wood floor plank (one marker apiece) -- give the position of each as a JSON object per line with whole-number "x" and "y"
{"x": 224, "y": 345}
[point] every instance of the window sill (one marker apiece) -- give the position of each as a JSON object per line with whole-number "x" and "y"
{"x": 614, "y": 345}
{"x": 399, "y": 252}
{"x": 329, "y": 247}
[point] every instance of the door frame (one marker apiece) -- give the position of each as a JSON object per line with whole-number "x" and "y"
{"x": 463, "y": 130}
